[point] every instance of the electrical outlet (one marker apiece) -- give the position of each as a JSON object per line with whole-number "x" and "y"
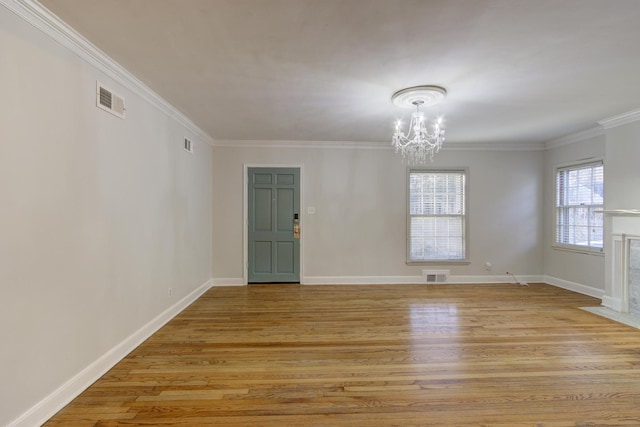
{"x": 170, "y": 292}
{"x": 488, "y": 266}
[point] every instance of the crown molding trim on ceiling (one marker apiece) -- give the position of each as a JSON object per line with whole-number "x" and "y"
{"x": 448, "y": 146}
{"x": 42, "y": 19}
{"x": 575, "y": 137}
{"x": 620, "y": 119}
{"x": 264, "y": 143}
{"x": 493, "y": 146}
{"x": 599, "y": 130}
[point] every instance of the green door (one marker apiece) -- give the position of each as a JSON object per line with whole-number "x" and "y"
{"x": 273, "y": 206}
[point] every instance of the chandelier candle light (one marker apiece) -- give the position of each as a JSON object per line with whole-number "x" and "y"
{"x": 419, "y": 143}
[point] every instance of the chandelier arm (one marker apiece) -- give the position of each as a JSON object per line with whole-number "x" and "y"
{"x": 418, "y": 143}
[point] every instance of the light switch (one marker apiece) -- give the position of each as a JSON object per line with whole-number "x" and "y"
{"x": 311, "y": 210}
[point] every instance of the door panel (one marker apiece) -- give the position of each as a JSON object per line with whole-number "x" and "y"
{"x": 285, "y": 209}
{"x": 286, "y": 179}
{"x": 262, "y": 257}
{"x": 263, "y": 178}
{"x": 263, "y": 209}
{"x": 273, "y": 200}
{"x": 286, "y": 259}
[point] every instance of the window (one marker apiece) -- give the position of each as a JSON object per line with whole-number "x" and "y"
{"x": 579, "y": 194}
{"x": 437, "y": 215}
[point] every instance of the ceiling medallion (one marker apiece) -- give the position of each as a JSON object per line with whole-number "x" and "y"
{"x": 419, "y": 143}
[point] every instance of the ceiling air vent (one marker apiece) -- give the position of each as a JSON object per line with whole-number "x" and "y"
{"x": 109, "y": 101}
{"x": 188, "y": 145}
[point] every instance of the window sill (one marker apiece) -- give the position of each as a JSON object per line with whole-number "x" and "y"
{"x": 439, "y": 262}
{"x": 578, "y": 250}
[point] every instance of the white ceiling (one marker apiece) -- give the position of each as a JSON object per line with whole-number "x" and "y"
{"x": 516, "y": 71}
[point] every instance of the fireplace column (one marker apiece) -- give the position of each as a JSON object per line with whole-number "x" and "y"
{"x": 622, "y": 257}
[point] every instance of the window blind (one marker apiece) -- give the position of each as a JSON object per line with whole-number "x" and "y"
{"x": 579, "y": 194}
{"x": 436, "y": 215}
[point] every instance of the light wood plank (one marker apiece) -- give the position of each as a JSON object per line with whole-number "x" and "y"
{"x": 405, "y": 355}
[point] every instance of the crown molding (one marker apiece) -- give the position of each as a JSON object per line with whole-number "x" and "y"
{"x": 264, "y": 143}
{"x": 574, "y": 137}
{"x": 493, "y": 146}
{"x": 354, "y": 145}
{"x": 621, "y": 119}
{"x": 42, "y": 19}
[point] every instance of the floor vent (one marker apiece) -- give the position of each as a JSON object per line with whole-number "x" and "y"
{"x": 435, "y": 276}
{"x": 109, "y": 101}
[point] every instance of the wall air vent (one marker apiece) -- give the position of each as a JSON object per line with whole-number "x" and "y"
{"x": 436, "y": 276}
{"x": 188, "y": 145}
{"x": 109, "y": 101}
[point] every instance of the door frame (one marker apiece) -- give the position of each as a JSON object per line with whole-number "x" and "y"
{"x": 245, "y": 215}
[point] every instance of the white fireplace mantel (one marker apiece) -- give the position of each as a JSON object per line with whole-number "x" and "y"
{"x": 624, "y": 226}
{"x": 620, "y": 212}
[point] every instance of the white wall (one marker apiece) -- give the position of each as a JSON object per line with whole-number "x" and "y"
{"x": 582, "y": 269}
{"x": 621, "y": 185}
{"x": 359, "y": 229}
{"x": 98, "y": 216}
{"x": 622, "y": 172}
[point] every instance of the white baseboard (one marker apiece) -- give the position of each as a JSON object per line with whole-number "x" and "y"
{"x": 612, "y": 303}
{"x": 453, "y": 280}
{"x": 362, "y": 280}
{"x": 228, "y": 281}
{"x": 576, "y": 287}
{"x": 408, "y": 280}
{"x": 501, "y": 278}
{"x": 50, "y": 405}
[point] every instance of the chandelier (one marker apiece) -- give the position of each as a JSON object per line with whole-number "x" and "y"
{"x": 422, "y": 140}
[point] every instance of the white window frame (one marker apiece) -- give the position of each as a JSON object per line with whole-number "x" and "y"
{"x": 596, "y": 250}
{"x": 464, "y": 215}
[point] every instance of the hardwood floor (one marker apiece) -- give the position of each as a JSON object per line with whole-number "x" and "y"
{"x": 283, "y": 355}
